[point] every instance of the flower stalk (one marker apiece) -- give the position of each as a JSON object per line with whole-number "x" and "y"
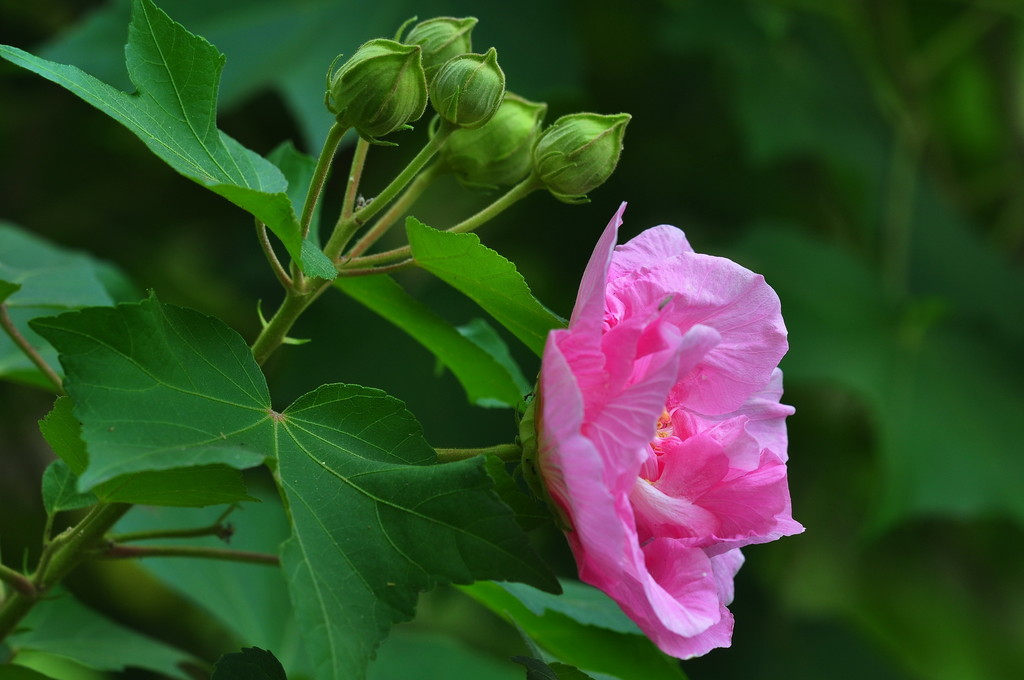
{"x": 472, "y": 223}
{"x": 397, "y": 209}
{"x": 346, "y": 227}
{"x": 320, "y": 173}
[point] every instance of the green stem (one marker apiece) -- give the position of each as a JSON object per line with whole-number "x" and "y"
{"x": 268, "y": 251}
{"x": 346, "y": 227}
{"x": 17, "y": 580}
{"x": 355, "y": 175}
{"x": 513, "y": 195}
{"x": 383, "y": 269}
{"x": 323, "y": 168}
{"x": 218, "y": 528}
{"x": 516, "y": 193}
{"x": 397, "y": 209}
{"x": 506, "y": 452}
{"x": 63, "y": 554}
{"x": 273, "y": 334}
{"x": 138, "y": 552}
{"x": 25, "y": 346}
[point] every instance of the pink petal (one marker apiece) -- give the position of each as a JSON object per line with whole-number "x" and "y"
{"x": 589, "y": 308}
{"x": 648, "y": 248}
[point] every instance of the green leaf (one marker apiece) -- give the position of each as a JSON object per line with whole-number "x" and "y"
{"x": 173, "y": 111}
{"x": 158, "y": 387}
{"x": 252, "y": 663}
{"x": 579, "y": 601}
{"x": 194, "y": 486}
{"x": 538, "y": 670}
{"x": 40, "y": 279}
{"x": 64, "y": 435}
{"x": 7, "y": 289}
{"x": 483, "y": 335}
{"x": 487, "y": 278}
{"x": 486, "y": 380}
{"x": 530, "y": 512}
{"x": 298, "y": 169}
{"x": 11, "y": 672}
{"x": 430, "y": 656}
{"x": 375, "y": 521}
{"x": 59, "y": 490}
{"x": 62, "y": 626}
{"x": 591, "y": 648}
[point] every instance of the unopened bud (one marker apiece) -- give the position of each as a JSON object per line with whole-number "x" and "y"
{"x": 578, "y": 152}
{"x": 468, "y": 89}
{"x": 500, "y": 152}
{"x": 441, "y": 39}
{"x": 382, "y": 88}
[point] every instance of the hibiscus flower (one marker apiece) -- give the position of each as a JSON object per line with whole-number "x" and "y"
{"x": 661, "y": 438}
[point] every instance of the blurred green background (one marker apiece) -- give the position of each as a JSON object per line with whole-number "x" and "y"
{"x": 866, "y": 156}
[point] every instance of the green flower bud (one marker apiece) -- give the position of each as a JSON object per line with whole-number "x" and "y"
{"x": 500, "y": 152}
{"x": 382, "y": 88}
{"x": 441, "y": 39}
{"x": 578, "y": 152}
{"x": 468, "y": 89}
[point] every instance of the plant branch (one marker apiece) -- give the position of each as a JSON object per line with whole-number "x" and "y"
{"x": 30, "y": 351}
{"x": 276, "y": 330}
{"x": 355, "y": 175}
{"x": 115, "y": 551}
{"x": 218, "y": 528}
{"x": 398, "y": 208}
{"x": 516, "y": 193}
{"x": 383, "y": 269}
{"x": 63, "y": 554}
{"x": 268, "y": 250}
{"x": 18, "y": 581}
{"x": 506, "y": 452}
{"x": 346, "y": 227}
{"x": 323, "y": 168}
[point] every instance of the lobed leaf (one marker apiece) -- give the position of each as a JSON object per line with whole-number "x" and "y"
{"x": 173, "y": 111}
{"x": 374, "y": 519}
{"x": 158, "y": 387}
{"x": 182, "y": 487}
{"x": 487, "y": 278}
{"x": 375, "y": 522}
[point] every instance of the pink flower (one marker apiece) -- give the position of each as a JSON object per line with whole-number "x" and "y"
{"x": 661, "y": 437}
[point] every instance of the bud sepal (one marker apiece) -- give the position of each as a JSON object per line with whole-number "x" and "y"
{"x": 500, "y": 152}
{"x": 381, "y": 89}
{"x": 468, "y": 89}
{"x": 441, "y": 38}
{"x": 578, "y": 153}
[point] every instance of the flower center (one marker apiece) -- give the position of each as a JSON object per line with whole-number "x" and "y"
{"x": 663, "y": 429}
